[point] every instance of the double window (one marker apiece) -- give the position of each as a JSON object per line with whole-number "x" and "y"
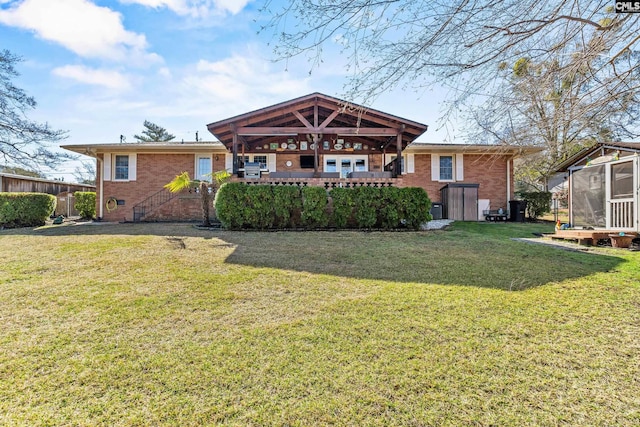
{"x": 257, "y": 158}
{"x": 345, "y": 164}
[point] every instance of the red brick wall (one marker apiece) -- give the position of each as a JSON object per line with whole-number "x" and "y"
{"x": 489, "y": 171}
{"x": 153, "y": 171}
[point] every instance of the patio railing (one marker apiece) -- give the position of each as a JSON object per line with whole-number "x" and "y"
{"x": 622, "y": 213}
{"x": 327, "y": 183}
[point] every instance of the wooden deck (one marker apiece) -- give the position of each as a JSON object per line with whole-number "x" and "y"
{"x": 585, "y": 237}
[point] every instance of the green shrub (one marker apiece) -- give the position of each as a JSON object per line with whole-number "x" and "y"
{"x": 314, "y": 207}
{"x": 367, "y": 203}
{"x": 262, "y": 207}
{"x": 287, "y": 204}
{"x": 85, "y": 203}
{"x": 538, "y": 202}
{"x": 415, "y": 206}
{"x": 25, "y": 209}
{"x": 260, "y": 213}
{"x": 390, "y": 209}
{"x": 343, "y": 203}
{"x": 231, "y": 205}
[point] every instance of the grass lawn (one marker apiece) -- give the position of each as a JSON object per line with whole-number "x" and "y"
{"x": 163, "y": 324}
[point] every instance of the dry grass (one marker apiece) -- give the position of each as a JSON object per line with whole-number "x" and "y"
{"x": 164, "y": 324}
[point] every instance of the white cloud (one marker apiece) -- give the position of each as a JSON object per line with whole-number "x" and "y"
{"x": 242, "y": 82}
{"x": 80, "y": 26}
{"x": 194, "y": 8}
{"x": 107, "y": 78}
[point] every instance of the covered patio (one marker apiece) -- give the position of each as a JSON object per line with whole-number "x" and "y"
{"x": 316, "y": 140}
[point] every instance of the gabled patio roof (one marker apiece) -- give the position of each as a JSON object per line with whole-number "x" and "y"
{"x": 317, "y": 114}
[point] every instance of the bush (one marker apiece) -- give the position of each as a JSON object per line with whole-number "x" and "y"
{"x": 538, "y": 202}
{"x": 367, "y": 203}
{"x": 25, "y": 209}
{"x": 231, "y": 206}
{"x": 389, "y": 211}
{"x": 85, "y": 203}
{"x": 287, "y": 203}
{"x": 241, "y": 206}
{"x": 259, "y": 209}
{"x": 415, "y": 206}
{"x": 314, "y": 207}
{"x": 343, "y": 204}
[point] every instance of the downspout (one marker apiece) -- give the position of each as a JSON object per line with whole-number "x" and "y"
{"x": 508, "y": 180}
{"x": 101, "y": 173}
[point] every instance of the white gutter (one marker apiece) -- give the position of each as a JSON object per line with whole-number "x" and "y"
{"x": 101, "y": 164}
{"x": 508, "y": 180}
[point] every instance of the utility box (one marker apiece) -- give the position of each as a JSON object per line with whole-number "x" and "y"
{"x": 460, "y": 201}
{"x": 436, "y": 210}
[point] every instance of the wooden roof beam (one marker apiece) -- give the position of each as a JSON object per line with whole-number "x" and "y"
{"x": 266, "y": 131}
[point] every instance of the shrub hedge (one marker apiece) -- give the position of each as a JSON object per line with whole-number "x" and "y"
{"x": 240, "y": 206}
{"x": 85, "y": 203}
{"x": 25, "y": 209}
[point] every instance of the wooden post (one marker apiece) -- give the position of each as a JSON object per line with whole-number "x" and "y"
{"x": 316, "y": 143}
{"x": 235, "y": 150}
{"x": 399, "y": 154}
{"x": 316, "y": 139}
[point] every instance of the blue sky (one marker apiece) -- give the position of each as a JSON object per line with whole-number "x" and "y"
{"x": 100, "y": 68}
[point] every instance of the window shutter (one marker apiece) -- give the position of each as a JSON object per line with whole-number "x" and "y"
{"x": 132, "y": 167}
{"x": 411, "y": 163}
{"x": 228, "y": 162}
{"x": 271, "y": 162}
{"x": 435, "y": 167}
{"x": 459, "y": 168}
{"x": 106, "y": 167}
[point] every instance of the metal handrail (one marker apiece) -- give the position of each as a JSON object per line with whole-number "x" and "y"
{"x": 151, "y": 203}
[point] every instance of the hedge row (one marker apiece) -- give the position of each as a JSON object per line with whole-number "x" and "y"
{"x": 85, "y": 203}
{"x": 25, "y": 209}
{"x": 239, "y": 206}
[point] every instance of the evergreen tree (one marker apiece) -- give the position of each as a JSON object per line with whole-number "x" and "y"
{"x": 154, "y": 133}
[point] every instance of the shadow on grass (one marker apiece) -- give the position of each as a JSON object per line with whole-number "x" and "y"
{"x": 468, "y": 254}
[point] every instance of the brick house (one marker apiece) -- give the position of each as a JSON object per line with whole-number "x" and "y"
{"x": 312, "y": 140}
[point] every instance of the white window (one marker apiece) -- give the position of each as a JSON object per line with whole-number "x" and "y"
{"x": 406, "y": 163}
{"x": 256, "y": 158}
{"x": 203, "y": 167}
{"x": 119, "y": 167}
{"x": 346, "y": 164}
{"x": 447, "y": 167}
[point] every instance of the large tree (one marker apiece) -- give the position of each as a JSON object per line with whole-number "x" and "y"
{"x": 23, "y": 142}
{"x": 458, "y": 44}
{"x": 153, "y": 133}
{"x": 541, "y": 104}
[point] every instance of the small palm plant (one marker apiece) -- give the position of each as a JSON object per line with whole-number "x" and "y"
{"x": 206, "y": 189}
